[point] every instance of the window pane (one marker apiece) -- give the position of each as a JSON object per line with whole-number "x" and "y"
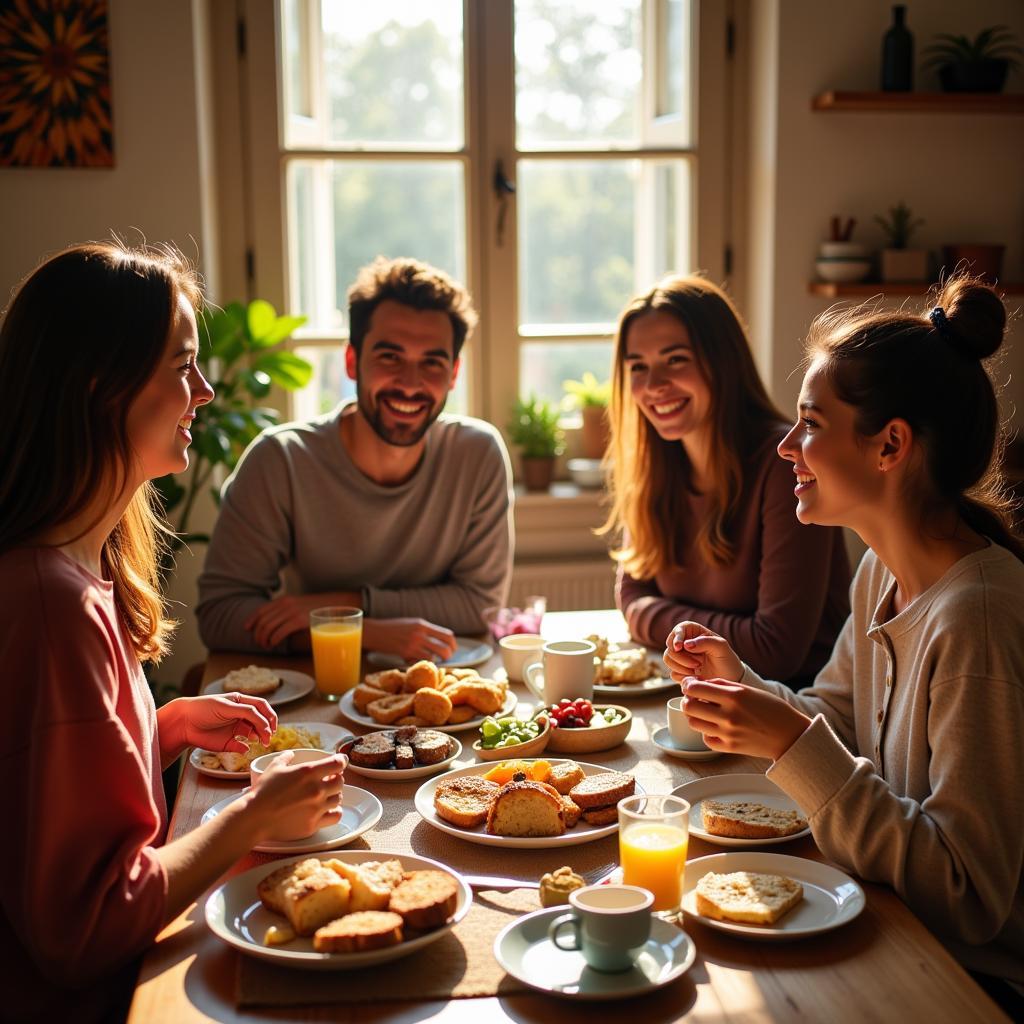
{"x": 330, "y": 383}
{"x": 297, "y": 58}
{"x": 359, "y": 209}
{"x": 578, "y": 72}
{"x": 545, "y": 365}
{"x": 391, "y": 73}
{"x": 673, "y": 56}
{"x": 594, "y": 232}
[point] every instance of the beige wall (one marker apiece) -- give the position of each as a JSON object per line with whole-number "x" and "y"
{"x": 962, "y": 174}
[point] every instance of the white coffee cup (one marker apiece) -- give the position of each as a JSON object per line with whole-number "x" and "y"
{"x": 567, "y": 669}
{"x": 610, "y": 925}
{"x": 683, "y": 735}
{"x": 517, "y": 651}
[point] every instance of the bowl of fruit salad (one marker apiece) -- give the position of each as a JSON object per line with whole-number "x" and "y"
{"x": 508, "y": 737}
{"x": 580, "y": 727}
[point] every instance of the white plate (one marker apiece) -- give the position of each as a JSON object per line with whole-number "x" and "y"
{"x": 236, "y": 915}
{"x": 294, "y": 686}
{"x": 581, "y": 833}
{"x": 656, "y": 683}
{"x": 360, "y": 811}
{"x": 524, "y": 950}
{"x": 662, "y": 739}
{"x": 346, "y": 705}
{"x": 756, "y": 788}
{"x": 330, "y": 736}
{"x": 831, "y": 898}
{"x": 468, "y": 654}
{"x": 401, "y": 774}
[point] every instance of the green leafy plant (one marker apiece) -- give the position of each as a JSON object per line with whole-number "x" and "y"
{"x": 534, "y": 428}
{"x": 899, "y": 225}
{"x": 588, "y": 393}
{"x": 994, "y": 43}
{"x": 241, "y": 357}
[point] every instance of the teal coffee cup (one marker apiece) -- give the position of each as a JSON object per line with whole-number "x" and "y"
{"x": 608, "y": 924}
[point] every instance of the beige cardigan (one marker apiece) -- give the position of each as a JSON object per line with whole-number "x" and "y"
{"x": 931, "y": 799}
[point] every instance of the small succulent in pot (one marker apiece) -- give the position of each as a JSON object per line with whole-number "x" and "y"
{"x": 899, "y": 225}
{"x": 974, "y": 65}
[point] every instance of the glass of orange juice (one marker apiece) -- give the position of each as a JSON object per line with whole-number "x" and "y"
{"x": 654, "y": 832}
{"x": 337, "y": 636}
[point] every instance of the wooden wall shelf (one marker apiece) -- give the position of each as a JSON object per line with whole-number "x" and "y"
{"x": 920, "y": 102}
{"x": 864, "y": 289}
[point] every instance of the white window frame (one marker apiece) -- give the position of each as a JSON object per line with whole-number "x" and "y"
{"x": 493, "y": 362}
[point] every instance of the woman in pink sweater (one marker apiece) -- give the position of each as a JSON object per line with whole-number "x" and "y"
{"x": 905, "y": 754}
{"x": 99, "y": 385}
{"x": 703, "y": 505}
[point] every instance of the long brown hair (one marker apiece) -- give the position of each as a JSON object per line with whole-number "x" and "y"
{"x": 82, "y": 336}
{"x": 928, "y": 369}
{"x": 650, "y": 476}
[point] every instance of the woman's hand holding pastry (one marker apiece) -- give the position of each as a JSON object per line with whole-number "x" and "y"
{"x": 293, "y": 801}
{"x": 693, "y": 650}
{"x": 215, "y": 722}
{"x": 739, "y": 719}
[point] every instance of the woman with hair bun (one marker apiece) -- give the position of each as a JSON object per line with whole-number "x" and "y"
{"x": 703, "y": 505}
{"x": 905, "y": 755}
{"x": 99, "y": 385}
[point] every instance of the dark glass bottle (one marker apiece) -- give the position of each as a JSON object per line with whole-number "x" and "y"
{"x": 898, "y": 54}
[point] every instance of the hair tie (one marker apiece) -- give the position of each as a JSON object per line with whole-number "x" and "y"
{"x": 939, "y": 320}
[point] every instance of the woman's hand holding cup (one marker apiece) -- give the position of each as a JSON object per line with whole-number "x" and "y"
{"x": 292, "y": 801}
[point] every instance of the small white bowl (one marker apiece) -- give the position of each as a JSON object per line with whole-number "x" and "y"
{"x": 302, "y": 755}
{"x": 842, "y": 271}
{"x": 844, "y": 251}
{"x": 586, "y": 472}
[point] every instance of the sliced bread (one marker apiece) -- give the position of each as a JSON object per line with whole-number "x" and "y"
{"x": 747, "y": 896}
{"x": 744, "y": 819}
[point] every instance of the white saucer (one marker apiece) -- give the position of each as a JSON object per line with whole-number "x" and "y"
{"x": 524, "y": 950}
{"x": 468, "y": 654}
{"x": 360, "y": 811}
{"x": 662, "y": 739}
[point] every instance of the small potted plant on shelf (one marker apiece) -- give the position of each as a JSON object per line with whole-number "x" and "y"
{"x": 978, "y": 65}
{"x": 534, "y": 429}
{"x": 590, "y": 397}
{"x": 898, "y": 262}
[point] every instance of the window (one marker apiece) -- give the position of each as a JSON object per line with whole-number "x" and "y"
{"x": 544, "y": 152}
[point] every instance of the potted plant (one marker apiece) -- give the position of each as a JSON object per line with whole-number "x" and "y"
{"x": 978, "y": 65}
{"x": 534, "y": 429}
{"x": 590, "y": 398}
{"x": 898, "y": 262}
{"x": 240, "y": 356}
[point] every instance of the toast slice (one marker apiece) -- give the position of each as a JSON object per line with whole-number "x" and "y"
{"x": 359, "y": 932}
{"x": 602, "y": 790}
{"x": 744, "y": 819}
{"x": 747, "y": 896}
{"x": 425, "y": 899}
{"x": 464, "y": 801}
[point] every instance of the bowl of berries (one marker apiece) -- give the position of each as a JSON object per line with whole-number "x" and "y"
{"x": 580, "y": 727}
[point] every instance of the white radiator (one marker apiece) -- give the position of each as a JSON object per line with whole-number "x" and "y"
{"x": 568, "y": 586}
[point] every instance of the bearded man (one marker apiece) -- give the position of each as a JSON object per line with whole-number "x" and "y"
{"x": 383, "y": 504}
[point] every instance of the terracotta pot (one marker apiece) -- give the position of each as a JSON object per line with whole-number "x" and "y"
{"x": 985, "y": 260}
{"x": 904, "y": 265}
{"x": 538, "y": 472}
{"x": 596, "y": 432}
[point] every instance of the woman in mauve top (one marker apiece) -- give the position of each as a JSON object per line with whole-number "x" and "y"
{"x": 905, "y": 755}
{"x": 703, "y": 503}
{"x": 99, "y": 386}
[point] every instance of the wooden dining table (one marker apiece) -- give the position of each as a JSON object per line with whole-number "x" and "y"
{"x": 883, "y": 966}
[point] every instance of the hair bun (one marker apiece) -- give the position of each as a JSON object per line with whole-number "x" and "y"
{"x": 975, "y": 315}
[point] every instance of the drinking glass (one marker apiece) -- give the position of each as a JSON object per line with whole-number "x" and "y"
{"x": 654, "y": 832}
{"x": 337, "y": 636}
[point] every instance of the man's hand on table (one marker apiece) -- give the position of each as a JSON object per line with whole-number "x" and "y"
{"x": 277, "y": 620}
{"x": 410, "y": 639}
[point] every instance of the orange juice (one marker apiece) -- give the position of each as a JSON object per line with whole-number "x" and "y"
{"x": 653, "y": 856}
{"x": 336, "y": 651}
